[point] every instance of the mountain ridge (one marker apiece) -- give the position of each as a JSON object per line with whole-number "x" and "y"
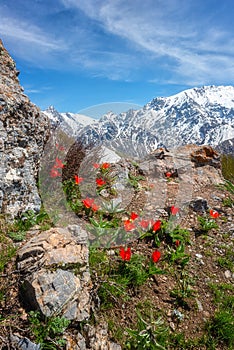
{"x": 199, "y": 115}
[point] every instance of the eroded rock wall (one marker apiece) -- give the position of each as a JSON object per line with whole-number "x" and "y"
{"x": 23, "y": 133}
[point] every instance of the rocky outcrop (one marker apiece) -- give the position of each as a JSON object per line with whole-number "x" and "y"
{"x": 205, "y": 155}
{"x": 23, "y": 133}
{"x": 55, "y": 276}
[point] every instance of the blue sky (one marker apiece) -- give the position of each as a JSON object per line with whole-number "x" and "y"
{"x": 75, "y": 54}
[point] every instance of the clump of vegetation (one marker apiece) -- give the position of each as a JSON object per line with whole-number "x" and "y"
{"x": 220, "y": 326}
{"x": 228, "y": 167}
{"x": 48, "y": 332}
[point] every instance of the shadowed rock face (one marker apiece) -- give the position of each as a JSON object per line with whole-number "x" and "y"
{"x": 23, "y": 133}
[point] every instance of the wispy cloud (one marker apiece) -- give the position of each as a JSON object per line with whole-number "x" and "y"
{"x": 26, "y": 32}
{"x": 173, "y": 30}
{"x": 28, "y": 40}
{"x": 29, "y": 89}
{"x": 163, "y": 40}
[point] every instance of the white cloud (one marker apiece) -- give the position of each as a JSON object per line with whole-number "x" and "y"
{"x": 27, "y": 32}
{"x": 119, "y": 38}
{"x": 168, "y": 30}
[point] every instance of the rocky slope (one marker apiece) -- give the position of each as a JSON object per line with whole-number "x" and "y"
{"x": 23, "y": 133}
{"x": 54, "y": 270}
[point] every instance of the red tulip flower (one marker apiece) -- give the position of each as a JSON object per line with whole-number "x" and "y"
{"x": 156, "y": 226}
{"x": 105, "y": 165}
{"x": 156, "y": 256}
{"x": 54, "y": 172}
{"x": 88, "y": 202}
{"x": 174, "y": 210}
{"x": 100, "y": 182}
{"x": 125, "y": 254}
{"x": 168, "y": 174}
{"x": 94, "y": 207}
{"x": 177, "y": 243}
{"x": 78, "y": 179}
{"x": 129, "y": 225}
{"x": 58, "y": 163}
{"x": 133, "y": 216}
{"x": 214, "y": 214}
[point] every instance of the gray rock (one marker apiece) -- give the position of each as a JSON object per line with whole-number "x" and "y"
{"x": 55, "y": 274}
{"x": 199, "y": 204}
{"x": 98, "y": 338}
{"x": 81, "y": 342}
{"x": 23, "y": 133}
{"x": 23, "y": 343}
{"x": 199, "y": 305}
{"x": 228, "y": 274}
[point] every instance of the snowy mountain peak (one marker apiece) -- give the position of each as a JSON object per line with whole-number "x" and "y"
{"x": 200, "y": 115}
{"x": 204, "y": 96}
{"x": 71, "y": 123}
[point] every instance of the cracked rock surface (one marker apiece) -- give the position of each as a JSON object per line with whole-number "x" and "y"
{"x": 55, "y": 274}
{"x": 23, "y": 134}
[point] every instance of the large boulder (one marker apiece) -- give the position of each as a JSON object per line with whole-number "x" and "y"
{"x": 54, "y": 273}
{"x": 23, "y": 133}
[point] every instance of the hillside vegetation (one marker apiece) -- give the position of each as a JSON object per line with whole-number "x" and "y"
{"x": 171, "y": 288}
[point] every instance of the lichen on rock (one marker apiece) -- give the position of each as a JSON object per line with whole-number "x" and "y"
{"x": 23, "y": 134}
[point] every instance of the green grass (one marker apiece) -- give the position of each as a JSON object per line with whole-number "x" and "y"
{"x": 48, "y": 332}
{"x": 149, "y": 334}
{"x": 206, "y": 224}
{"x": 115, "y": 278}
{"x": 133, "y": 181}
{"x": 220, "y": 327}
{"x": 7, "y": 251}
{"x": 17, "y": 230}
{"x": 227, "y": 261}
{"x": 228, "y": 167}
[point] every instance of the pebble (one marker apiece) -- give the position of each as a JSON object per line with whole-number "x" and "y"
{"x": 199, "y": 305}
{"x": 199, "y": 258}
{"x": 164, "y": 278}
{"x": 110, "y": 252}
{"x": 206, "y": 314}
{"x": 104, "y": 193}
{"x": 228, "y": 274}
{"x": 172, "y": 325}
{"x": 216, "y": 198}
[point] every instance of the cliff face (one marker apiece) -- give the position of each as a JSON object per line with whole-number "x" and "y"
{"x": 23, "y": 133}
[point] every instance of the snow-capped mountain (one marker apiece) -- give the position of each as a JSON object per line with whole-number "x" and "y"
{"x": 71, "y": 123}
{"x": 199, "y": 115}
{"x": 226, "y": 147}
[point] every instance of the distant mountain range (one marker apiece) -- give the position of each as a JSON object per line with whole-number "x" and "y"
{"x": 71, "y": 123}
{"x": 200, "y": 115}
